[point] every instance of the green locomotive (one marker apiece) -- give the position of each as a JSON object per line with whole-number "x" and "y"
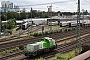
{"x": 46, "y": 44}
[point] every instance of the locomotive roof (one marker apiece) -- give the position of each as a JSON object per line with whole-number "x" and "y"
{"x": 48, "y": 38}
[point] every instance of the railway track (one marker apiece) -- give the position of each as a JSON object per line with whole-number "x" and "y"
{"x": 65, "y": 47}
{"x": 11, "y": 45}
{"x": 22, "y": 32}
{"x": 16, "y": 36}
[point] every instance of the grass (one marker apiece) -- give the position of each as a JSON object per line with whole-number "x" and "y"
{"x": 66, "y": 56}
{"x": 9, "y": 51}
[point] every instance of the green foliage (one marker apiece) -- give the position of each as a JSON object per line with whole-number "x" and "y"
{"x": 3, "y": 26}
{"x": 21, "y": 47}
{"x": 46, "y": 32}
{"x": 29, "y": 36}
{"x": 35, "y": 34}
{"x": 12, "y": 15}
{"x": 23, "y": 15}
{"x": 10, "y": 24}
{"x": 3, "y": 17}
{"x": 53, "y": 31}
{"x": 40, "y": 58}
{"x": 58, "y": 56}
{"x": 44, "y": 15}
{"x": 9, "y": 51}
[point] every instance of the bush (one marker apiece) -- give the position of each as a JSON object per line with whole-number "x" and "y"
{"x": 35, "y": 34}
{"x": 60, "y": 30}
{"x": 46, "y": 32}
{"x": 40, "y": 58}
{"x": 65, "y": 30}
{"x": 51, "y": 32}
{"x": 4, "y": 52}
{"x": 39, "y": 34}
{"x": 21, "y": 47}
{"x": 60, "y": 57}
{"x": 9, "y": 51}
{"x": 9, "y": 31}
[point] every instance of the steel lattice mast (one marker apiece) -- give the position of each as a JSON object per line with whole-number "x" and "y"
{"x": 78, "y": 44}
{"x": 0, "y": 22}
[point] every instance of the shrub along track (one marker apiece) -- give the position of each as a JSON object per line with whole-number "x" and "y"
{"x": 56, "y": 36}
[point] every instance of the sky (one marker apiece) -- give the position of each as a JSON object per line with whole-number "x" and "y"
{"x": 70, "y": 6}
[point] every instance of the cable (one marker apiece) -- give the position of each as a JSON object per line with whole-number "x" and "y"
{"x": 47, "y": 3}
{"x": 87, "y": 1}
{"x": 67, "y": 7}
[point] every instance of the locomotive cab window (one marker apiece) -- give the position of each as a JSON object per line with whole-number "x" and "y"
{"x": 47, "y": 40}
{"x": 50, "y": 40}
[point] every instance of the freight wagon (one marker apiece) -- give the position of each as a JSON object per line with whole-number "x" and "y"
{"x": 45, "y": 45}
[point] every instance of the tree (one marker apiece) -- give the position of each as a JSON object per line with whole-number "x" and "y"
{"x": 10, "y": 15}
{"x": 3, "y": 26}
{"x": 44, "y": 15}
{"x": 3, "y": 16}
{"x": 11, "y": 23}
{"x": 23, "y": 15}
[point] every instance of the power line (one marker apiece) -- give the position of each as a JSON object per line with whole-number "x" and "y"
{"x": 67, "y": 7}
{"x": 46, "y": 3}
{"x": 87, "y": 1}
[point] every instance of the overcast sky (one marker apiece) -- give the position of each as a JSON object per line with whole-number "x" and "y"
{"x": 65, "y": 6}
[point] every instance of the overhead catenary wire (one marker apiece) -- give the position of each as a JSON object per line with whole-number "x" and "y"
{"x": 67, "y": 7}
{"x": 47, "y": 3}
{"x": 87, "y": 1}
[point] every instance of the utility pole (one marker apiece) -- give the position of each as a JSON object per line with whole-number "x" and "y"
{"x": 51, "y": 17}
{"x": 83, "y": 16}
{"x": 6, "y": 24}
{"x": 50, "y": 10}
{"x": 0, "y": 22}
{"x": 78, "y": 44}
{"x": 31, "y": 21}
{"x": 27, "y": 22}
